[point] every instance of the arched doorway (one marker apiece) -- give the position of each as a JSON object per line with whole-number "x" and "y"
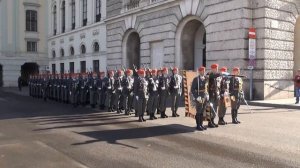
{"x": 131, "y": 49}
{"x": 28, "y": 69}
{"x": 297, "y": 46}
{"x": 1, "y": 75}
{"x": 191, "y": 44}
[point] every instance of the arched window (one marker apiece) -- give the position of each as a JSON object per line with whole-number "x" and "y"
{"x": 84, "y": 12}
{"x": 63, "y": 15}
{"x": 54, "y": 20}
{"x": 73, "y": 14}
{"x": 72, "y": 51}
{"x": 62, "y": 52}
{"x": 31, "y": 20}
{"x": 53, "y": 54}
{"x": 83, "y": 49}
{"x": 98, "y": 10}
{"x": 96, "y": 47}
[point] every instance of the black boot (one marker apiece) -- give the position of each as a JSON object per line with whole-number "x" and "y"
{"x": 151, "y": 116}
{"x": 140, "y": 119}
{"x": 234, "y": 121}
{"x": 158, "y": 111}
{"x": 236, "y": 114}
{"x": 143, "y": 119}
{"x": 177, "y": 115}
{"x": 221, "y": 121}
{"x": 201, "y": 122}
{"x": 210, "y": 124}
{"x": 154, "y": 117}
{"x": 198, "y": 127}
{"x": 174, "y": 114}
{"x": 297, "y": 100}
{"x": 213, "y": 122}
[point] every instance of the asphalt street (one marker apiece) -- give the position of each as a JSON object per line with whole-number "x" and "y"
{"x": 38, "y": 134}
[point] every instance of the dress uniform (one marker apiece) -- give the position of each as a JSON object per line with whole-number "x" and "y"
{"x": 224, "y": 96}
{"x": 110, "y": 85}
{"x": 153, "y": 94}
{"x": 214, "y": 80}
{"x": 141, "y": 94}
{"x": 75, "y": 90}
{"x": 118, "y": 94}
{"x": 236, "y": 94}
{"x": 127, "y": 92}
{"x": 175, "y": 91}
{"x": 93, "y": 90}
{"x": 163, "y": 92}
{"x": 101, "y": 90}
{"x": 45, "y": 87}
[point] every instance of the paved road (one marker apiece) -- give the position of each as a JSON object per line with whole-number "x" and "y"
{"x": 35, "y": 134}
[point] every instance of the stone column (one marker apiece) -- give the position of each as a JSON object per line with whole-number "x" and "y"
{"x": 68, "y": 15}
{"x": 90, "y": 11}
{"x": 78, "y": 13}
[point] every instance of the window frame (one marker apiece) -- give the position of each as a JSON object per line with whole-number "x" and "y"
{"x": 96, "y": 50}
{"x": 63, "y": 19}
{"x": 73, "y": 14}
{"x": 83, "y": 49}
{"x": 84, "y": 12}
{"x": 54, "y": 20}
{"x": 72, "y": 51}
{"x": 31, "y": 20}
{"x": 98, "y": 10}
{"x": 32, "y": 46}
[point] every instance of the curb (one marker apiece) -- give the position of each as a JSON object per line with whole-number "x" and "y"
{"x": 286, "y": 106}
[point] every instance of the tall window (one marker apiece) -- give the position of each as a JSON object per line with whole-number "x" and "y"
{"x": 53, "y": 54}
{"x": 71, "y": 65}
{"x": 72, "y": 51}
{"x": 54, "y": 20}
{"x": 62, "y": 52}
{"x": 63, "y": 15}
{"x": 31, "y": 46}
{"x": 31, "y": 20}
{"x": 95, "y": 65}
{"x": 53, "y": 68}
{"x": 84, "y": 12}
{"x": 98, "y": 10}
{"x": 82, "y": 66}
{"x": 83, "y": 49}
{"x": 73, "y": 14}
{"x": 96, "y": 47}
{"x": 62, "y": 68}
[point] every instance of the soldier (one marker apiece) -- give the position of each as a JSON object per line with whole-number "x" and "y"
{"x": 141, "y": 94}
{"x": 224, "y": 95}
{"x": 214, "y": 93}
{"x": 163, "y": 92}
{"x": 93, "y": 90}
{"x": 175, "y": 91}
{"x": 297, "y": 86}
{"x": 101, "y": 90}
{"x": 75, "y": 90}
{"x": 51, "y": 87}
{"x": 199, "y": 90}
{"x": 63, "y": 87}
{"x": 118, "y": 94}
{"x": 30, "y": 85}
{"x": 159, "y": 74}
{"x": 110, "y": 91}
{"x": 127, "y": 91}
{"x": 236, "y": 94}
{"x": 45, "y": 87}
{"x": 83, "y": 89}
{"x": 68, "y": 88}
{"x": 153, "y": 94}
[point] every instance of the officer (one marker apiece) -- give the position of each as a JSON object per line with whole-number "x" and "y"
{"x": 118, "y": 94}
{"x": 224, "y": 96}
{"x": 153, "y": 94}
{"x": 75, "y": 90}
{"x": 236, "y": 94}
{"x": 199, "y": 90}
{"x": 45, "y": 87}
{"x": 127, "y": 91}
{"x": 68, "y": 89}
{"x": 83, "y": 89}
{"x": 163, "y": 92}
{"x": 175, "y": 91}
{"x": 141, "y": 94}
{"x": 214, "y": 78}
{"x": 101, "y": 90}
{"x": 110, "y": 91}
{"x": 93, "y": 90}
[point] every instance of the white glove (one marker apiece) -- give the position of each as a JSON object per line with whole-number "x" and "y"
{"x": 199, "y": 99}
{"x": 207, "y": 97}
{"x": 137, "y": 97}
{"x": 163, "y": 88}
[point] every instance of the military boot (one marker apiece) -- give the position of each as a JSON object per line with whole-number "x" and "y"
{"x": 143, "y": 118}
{"x": 174, "y": 114}
{"x": 233, "y": 115}
{"x": 201, "y": 122}
{"x": 213, "y": 122}
{"x": 177, "y": 115}
{"x": 221, "y": 121}
{"x": 151, "y": 116}
{"x": 198, "y": 127}
{"x": 140, "y": 119}
{"x": 236, "y": 114}
{"x": 210, "y": 124}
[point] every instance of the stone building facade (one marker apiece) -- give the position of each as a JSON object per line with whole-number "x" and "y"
{"x": 23, "y": 39}
{"x": 190, "y": 33}
{"x": 77, "y": 36}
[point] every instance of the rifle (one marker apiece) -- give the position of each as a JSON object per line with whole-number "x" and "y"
{"x": 135, "y": 68}
{"x": 245, "y": 101}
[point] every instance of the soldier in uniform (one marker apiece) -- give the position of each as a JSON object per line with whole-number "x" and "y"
{"x": 118, "y": 94}
{"x": 75, "y": 90}
{"x": 153, "y": 94}
{"x": 30, "y": 85}
{"x": 110, "y": 91}
{"x": 45, "y": 87}
{"x": 163, "y": 89}
{"x": 101, "y": 90}
{"x": 175, "y": 91}
{"x": 297, "y": 86}
{"x": 63, "y": 87}
{"x": 224, "y": 94}
{"x": 141, "y": 94}
{"x": 236, "y": 94}
{"x": 214, "y": 80}
{"x": 93, "y": 90}
{"x": 127, "y": 91}
{"x": 199, "y": 90}
{"x": 83, "y": 89}
{"x": 159, "y": 74}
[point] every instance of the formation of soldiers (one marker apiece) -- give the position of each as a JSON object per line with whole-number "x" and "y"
{"x": 146, "y": 91}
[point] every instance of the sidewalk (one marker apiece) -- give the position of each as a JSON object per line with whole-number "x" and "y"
{"x": 280, "y": 103}
{"x": 15, "y": 90}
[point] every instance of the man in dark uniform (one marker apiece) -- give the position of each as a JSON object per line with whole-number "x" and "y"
{"x": 297, "y": 86}
{"x": 45, "y": 87}
{"x": 101, "y": 90}
{"x": 140, "y": 89}
{"x": 75, "y": 90}
{"x": 224, "y": 96}
{"x": 110, "y": 91}
{"x": 118, "y": 94}
{"x": 236, "y": 94}
{"x": 199, "y": 90}
{"x": 214, "y": 80}
{"x": 163, "y": 89}
{"x": 153, "y": 94}
{"x": 175, "y": 91}
{"x": 93, "y": 90}
{"x": 127, "y": 91}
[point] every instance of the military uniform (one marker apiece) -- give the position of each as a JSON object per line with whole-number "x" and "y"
{"x": 118, "y": 98}
{"x": 110, "y": 85}
{"x": 93, "y": 90}
{"x": 236, "y": 95}
{"x": 153, "y": 94}
{"x": 101, "y": 90}
{"x": 175, "y": 91}
{"x": 224, "y": 94}
{"x": 199, "y": 90}
{"x": 140, "y": 88}
{"x": 163, "y": 89}
{"x": 127, "y": 91}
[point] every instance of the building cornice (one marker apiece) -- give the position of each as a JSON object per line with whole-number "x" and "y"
{"x": 31, "y": 4}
